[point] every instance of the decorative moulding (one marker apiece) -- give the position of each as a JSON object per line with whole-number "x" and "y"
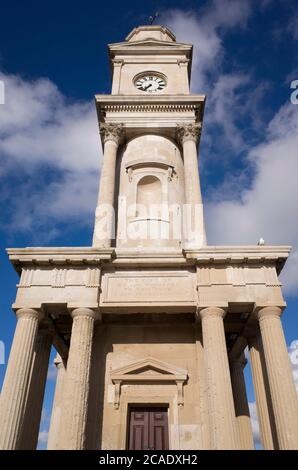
{"x": 148, "y": 370}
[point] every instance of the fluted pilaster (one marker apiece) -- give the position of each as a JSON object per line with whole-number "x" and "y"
{"x": 221, "y": 406}
{"x": 17, "y": 379}
{"x": 262, "y": 392}
{"x": 55, "y": 423}
{"x": 77, "y": 385}
{"x": 241, "y": 404}
{"x": 280, "y": 377}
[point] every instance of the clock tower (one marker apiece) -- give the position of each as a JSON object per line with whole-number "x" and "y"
{"x": 150, "y": 323}
{"x": 150, "y": 126}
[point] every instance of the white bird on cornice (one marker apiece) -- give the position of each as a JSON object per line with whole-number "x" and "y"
{"x": 261, "y": 242}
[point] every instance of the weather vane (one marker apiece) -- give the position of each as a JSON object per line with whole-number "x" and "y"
{"x": 153, "y": 18}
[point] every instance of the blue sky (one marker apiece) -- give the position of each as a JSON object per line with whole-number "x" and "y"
{"x": 53, "y": 59}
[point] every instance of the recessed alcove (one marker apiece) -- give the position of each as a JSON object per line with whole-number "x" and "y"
{"x": 151, "y": 189}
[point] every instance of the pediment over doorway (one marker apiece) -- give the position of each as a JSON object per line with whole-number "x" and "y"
{"x": 148, "y": 370}
{"x": 149, "y": 364}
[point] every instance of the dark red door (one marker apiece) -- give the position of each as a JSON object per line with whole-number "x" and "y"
{"x": 148, "y": 428}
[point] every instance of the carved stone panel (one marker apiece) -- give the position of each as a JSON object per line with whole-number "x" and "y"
{"x": 148, "y": 287}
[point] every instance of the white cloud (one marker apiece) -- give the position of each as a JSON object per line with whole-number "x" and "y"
{"x": 269, "y": 207}
{"x": 42, "y": 132}
{"x": 255, "y": 423}
{"x": 231, "y": 94}
{"x": 205, "y": 28}
{"x": 38, "y": 125}
{"x": 44, "y": 428}
{"x": 42, "y": 438}
{"x": 226, "y": 107}
{"x": 293, "y": 26}
{"x": 293, "y": 355}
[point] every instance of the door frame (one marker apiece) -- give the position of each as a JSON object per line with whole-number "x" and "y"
{"x": 170, "y": 402}
{"x": 166, "y": 406}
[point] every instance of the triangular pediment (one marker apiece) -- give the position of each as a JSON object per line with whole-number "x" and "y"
{"x": 149, "y": 367}
{"x": 148, "y": 42}
{"x": 149, "y": 46}
{"x": 148, "y": 370}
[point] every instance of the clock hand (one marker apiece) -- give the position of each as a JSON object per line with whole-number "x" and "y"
{"x": 146, "y": 88}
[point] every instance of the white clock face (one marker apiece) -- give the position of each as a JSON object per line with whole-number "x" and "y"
{"x": 150, "y": 83}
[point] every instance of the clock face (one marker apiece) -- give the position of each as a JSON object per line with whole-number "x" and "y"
{"x": 150, "y": 83}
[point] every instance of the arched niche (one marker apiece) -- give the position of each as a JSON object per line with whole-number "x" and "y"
{"x": 149, "y": 189}
{"x": 151, "y": 174}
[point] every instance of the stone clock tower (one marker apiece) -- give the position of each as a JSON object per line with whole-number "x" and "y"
{"x": 150, "y": 323}
{"x": 150, "y": 127}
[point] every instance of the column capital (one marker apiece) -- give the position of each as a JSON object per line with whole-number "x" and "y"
{"x": 84, "y": 312}
{"x": 111, "y": 131}
{"x": 29, "y": 313}
{"x": 268, "y": 312}
{"x": 187, "y": 132}
{"x": 118, "y": 62}
{"x": 212, "y": 312}
{"x": 183, "y": 62}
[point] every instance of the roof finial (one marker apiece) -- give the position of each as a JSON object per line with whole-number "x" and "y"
{"x": 152, "y": 18}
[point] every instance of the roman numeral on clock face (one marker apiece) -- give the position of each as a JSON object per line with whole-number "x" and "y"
{"x": 150, "y": 83}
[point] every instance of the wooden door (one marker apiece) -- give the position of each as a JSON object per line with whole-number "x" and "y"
{"x": 148, "y": 428}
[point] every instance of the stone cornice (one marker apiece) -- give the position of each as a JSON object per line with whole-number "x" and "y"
{"x": 209, "y": 255}
{"x": 150, "y": 46}
{"x": 171, "y": 104}
{"x": 240, "y": 254}
{"x": 103, "y": 100}
{"x": 21, "y": 257}
{"x": 150, "y": 108}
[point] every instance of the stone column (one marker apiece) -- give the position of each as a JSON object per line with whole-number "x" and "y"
{"x": 262, "y": 392}
{"x": 77, "y": 383}
{"x": 17, "y": 378}
{"x": 220, "y": 397}
{"x": 188, "y": 135}
{"x": 280, "y": 377}
{"x": 241, "y": 404}
{"x": 38, "y": 377}
{"x": 203, "y": 388}
{"x": 104, "y": 219}
{"x": 55, "y": 424}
